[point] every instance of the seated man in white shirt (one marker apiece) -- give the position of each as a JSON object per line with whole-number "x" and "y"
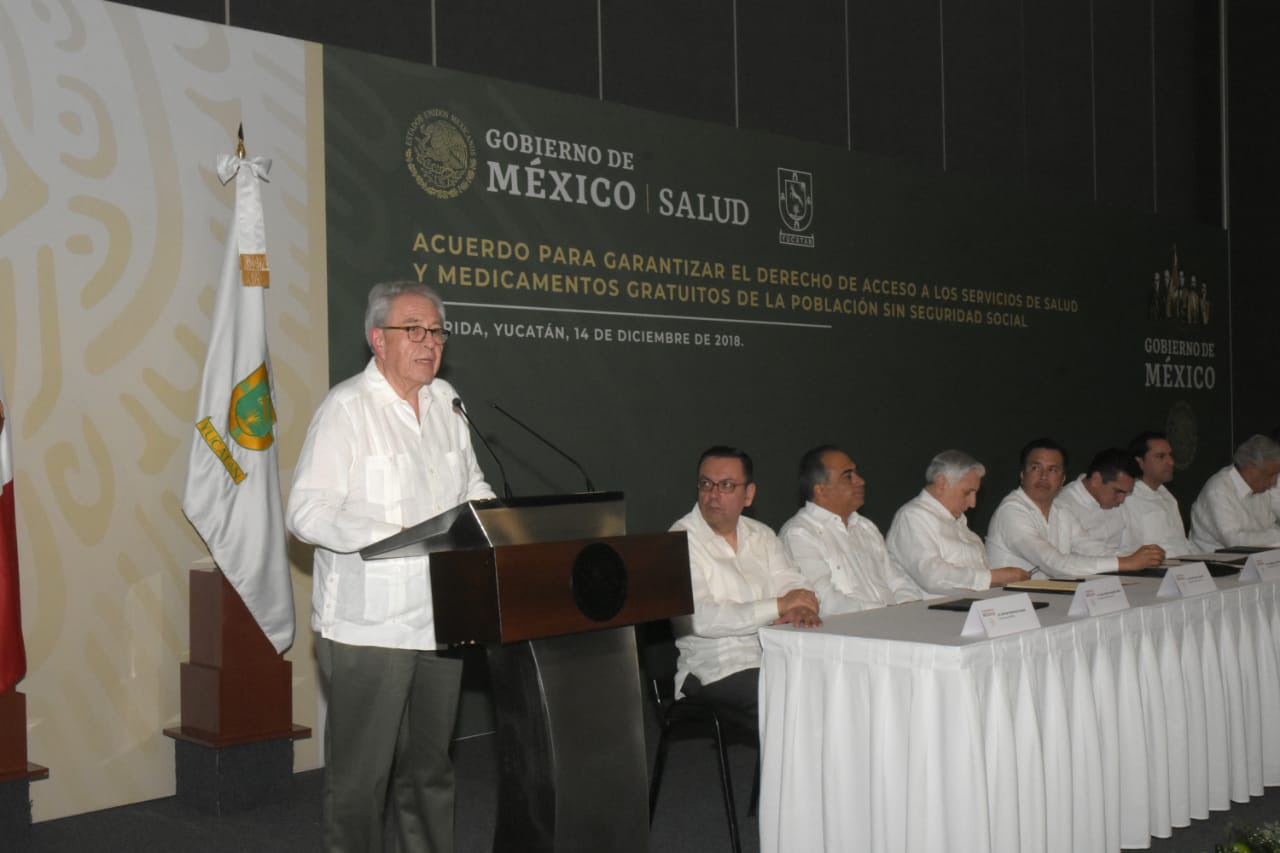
{"x": 1274, "y": 491}
{"x": 930, "y": 535}
{"x": 1234, "y": 507}
{"x": 840, "y": 553}
{"x": 742, "y": 580}
{"x": 1151, "y": 511}
{"x": 1088, "y": 518}
{"x": 1030, "y": 529}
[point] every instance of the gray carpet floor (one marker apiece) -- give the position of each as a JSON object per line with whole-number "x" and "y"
{"x": 689, "y": 817}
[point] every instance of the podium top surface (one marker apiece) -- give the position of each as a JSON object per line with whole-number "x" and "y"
{"x": 498, "y": 522}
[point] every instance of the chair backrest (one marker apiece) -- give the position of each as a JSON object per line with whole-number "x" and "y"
{"x": 656, "y": 648}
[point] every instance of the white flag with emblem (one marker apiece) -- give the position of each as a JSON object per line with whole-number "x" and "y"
{"x": 232, "y": 495}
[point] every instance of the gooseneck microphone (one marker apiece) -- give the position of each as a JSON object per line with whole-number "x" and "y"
{"x": 533, "y": 432}
{"x": 457, "y": 407}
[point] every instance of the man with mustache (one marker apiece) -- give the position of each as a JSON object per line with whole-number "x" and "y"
{"x": 841, "y": 553}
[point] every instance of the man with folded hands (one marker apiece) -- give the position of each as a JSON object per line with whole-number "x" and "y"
{"x": 1070, "y": 532}
{"x": 742, "y": 580}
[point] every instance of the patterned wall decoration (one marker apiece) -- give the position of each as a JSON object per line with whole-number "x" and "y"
{"x": 112, "y": 228}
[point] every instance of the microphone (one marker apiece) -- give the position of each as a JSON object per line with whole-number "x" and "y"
{"x": 524, "y": 426}
{"x": 457, "y": 407}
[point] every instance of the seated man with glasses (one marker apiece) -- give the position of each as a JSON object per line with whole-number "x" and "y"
{"x": 742, "y": 579}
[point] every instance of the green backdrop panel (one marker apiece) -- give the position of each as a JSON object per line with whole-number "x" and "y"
{"x": 638, "y": 287}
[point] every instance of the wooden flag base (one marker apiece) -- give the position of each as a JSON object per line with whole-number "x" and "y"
{"x": 16, "y": 772}
{"x": 235, "y": 745}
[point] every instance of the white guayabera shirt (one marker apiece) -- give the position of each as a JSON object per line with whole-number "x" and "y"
{"x": 734, "y": 595}
{"x": 1151, "y": 517}
{"x": 1227, "y": 513}
{"x": 939, "y": 551}
{"x": 369, "y": 468}
{"x": 1020, "y": 535}
{"x": 847, "y": 565}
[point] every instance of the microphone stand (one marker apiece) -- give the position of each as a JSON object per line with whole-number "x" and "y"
{"x": 524, "y": 426}
{"x": 506, "y": 486}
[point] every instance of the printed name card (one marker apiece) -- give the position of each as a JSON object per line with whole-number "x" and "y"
{"x": 998, "y": 617}
{"x": 1098, "y": 596}
{"x": 1262, "y": 566}
{"x": 1186, "y": 580}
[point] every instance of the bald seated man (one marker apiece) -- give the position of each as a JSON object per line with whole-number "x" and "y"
{"x": 1234, "y": 507}
{"x": 840, "y": 553}
{"x": 930, "y": 535}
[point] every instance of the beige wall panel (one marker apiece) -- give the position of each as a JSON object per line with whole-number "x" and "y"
{"x": 112, "y": 228}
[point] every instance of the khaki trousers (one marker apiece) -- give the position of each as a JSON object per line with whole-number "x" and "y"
{"x": 390, "y": 722}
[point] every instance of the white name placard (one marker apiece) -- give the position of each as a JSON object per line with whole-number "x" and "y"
{"x": 1099, "y": 596}
{"x": 1000, "y": 616}
{"x": 1186, "y": 580}
{"x": 1262, "y": 566}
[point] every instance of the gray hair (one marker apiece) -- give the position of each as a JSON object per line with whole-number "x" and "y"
{"x": 381, "y": 296}
{"x": 953, "y": 465}
{"x": 1256, "y": 450}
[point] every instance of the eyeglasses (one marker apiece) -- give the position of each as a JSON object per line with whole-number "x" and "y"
{"x": 724, "y": 487}
{"x": 418, "y": 334}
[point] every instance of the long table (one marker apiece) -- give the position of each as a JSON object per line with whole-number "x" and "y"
{"x": 886, "y": 731}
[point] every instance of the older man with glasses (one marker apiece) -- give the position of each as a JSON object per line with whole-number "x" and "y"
{"x": 1234, "y": 507}
{"x": 930, "y": 535}
{"x": 385, "y": 451}
{"x": 742, "y": 580}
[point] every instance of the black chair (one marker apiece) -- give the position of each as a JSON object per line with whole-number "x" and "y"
{"x": 689, "y": 715}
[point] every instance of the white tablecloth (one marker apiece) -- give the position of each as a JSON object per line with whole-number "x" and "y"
{"x": 885, "y": 731}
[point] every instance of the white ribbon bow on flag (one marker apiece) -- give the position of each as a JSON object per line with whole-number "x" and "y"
{"x": 229, "y": 165}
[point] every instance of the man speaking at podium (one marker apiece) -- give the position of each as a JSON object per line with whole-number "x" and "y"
{"x": 385, "y": 451}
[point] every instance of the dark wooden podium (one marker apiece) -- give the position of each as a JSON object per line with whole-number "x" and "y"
{"x": 551, "y": 586}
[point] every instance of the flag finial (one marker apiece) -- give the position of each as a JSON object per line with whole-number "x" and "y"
{"x": 240, "y": 142}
